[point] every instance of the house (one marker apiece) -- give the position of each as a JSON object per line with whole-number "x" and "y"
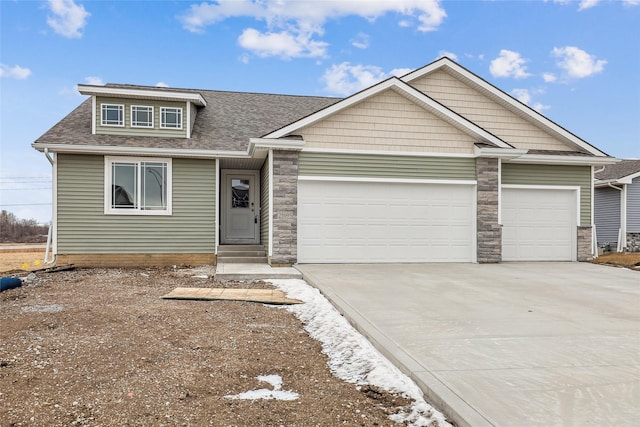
{"x": 436, "y": 166}
{"x": 617, "y": 206}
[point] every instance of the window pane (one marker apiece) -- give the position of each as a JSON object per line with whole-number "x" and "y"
{"x": 141, "y": 116}
{"x": 112, "y": 115}
{"x": 171, "y": 118}
{"x": 239, "y": 193}
{"x": 154, "y": 186}
{"x": 124, "y": 186}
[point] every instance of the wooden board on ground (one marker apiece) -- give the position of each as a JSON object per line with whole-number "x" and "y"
{"x": 266, "y": 296}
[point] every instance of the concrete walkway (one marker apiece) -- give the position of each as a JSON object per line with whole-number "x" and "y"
{"x": 228, "y": 271}
{"x": 513, "y": 344}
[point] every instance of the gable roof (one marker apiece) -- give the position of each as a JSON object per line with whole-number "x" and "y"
{"x": 625, "y": 170}
{"x": 409, "y": 92}
{"x": 507, "y": 101}
{"x": 227, "y": 123}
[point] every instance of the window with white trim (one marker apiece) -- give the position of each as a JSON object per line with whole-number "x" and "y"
{"x": 112, "y": 115}
{"x": 137, "y": 186}
{"x": 141, "y": 116}
{"x": 171, "y": 117}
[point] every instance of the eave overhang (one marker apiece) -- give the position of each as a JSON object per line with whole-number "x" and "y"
{"x": 139, "y": 93}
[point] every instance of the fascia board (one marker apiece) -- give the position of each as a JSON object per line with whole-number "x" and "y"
{"x": 139, "y": 151}
{"x": 276, "y": 144}
{"x": 564, "y": 160}
{"x": 502, "y": 153}
{"x": 196, "y": 98}
{"x": 393, "y": 83}
{"x": 627, "y": 179}
{"x": 512, "y": 102}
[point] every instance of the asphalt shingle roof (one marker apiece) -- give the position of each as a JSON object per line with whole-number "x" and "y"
{"x": 226, "y": 123}
{"x": 619, "y": 170}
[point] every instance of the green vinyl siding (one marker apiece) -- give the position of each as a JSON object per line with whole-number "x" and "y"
{"x": 386, "y": 166}
{"x": 525, "y": 174}
{"x": 83, "y": 227}
{"x": 140, "y": 131}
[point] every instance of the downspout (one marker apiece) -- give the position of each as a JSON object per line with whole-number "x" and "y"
{"x": 52, "y": 224}
{"x": 622, "y": 214}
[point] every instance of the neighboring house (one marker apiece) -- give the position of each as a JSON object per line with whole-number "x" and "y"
{"x": 617, "y": 206}
{"x": 436, "y": 166}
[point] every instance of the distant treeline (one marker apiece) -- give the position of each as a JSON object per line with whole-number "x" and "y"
{"x": 14, "y": 230}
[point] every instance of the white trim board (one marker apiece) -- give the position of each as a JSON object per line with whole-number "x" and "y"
{"x": 390, "y": 180}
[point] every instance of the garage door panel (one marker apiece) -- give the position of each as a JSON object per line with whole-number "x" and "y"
{"x": 538, "y": 224}
{"x": 385, "y": 222}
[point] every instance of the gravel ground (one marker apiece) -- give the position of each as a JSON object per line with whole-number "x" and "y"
{"x": 99, "y": 347}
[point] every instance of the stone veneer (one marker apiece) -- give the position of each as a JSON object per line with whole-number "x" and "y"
{"x": 489, "y": 232}
{"x": 585, "y": 252}
{"x": 285, "y": 208}
{"x": 633, "y": 242}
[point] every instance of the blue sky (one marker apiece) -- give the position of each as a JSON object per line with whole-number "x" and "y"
{"x": 577, "y": 62}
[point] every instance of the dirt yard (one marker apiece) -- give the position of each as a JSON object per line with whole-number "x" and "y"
{"x": 629, "y": 260}
{"x": 21, "y": 257}
{"x": 99, "y": 347}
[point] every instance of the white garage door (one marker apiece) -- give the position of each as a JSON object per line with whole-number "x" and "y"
{"x": 365, "y": 222}
{"x": 538, "y": 224}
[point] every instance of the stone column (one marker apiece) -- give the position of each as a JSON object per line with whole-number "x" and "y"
{"x": 285, "y": 208}
{"x": 489, "y": 232}
{"x": 584, "y": 243}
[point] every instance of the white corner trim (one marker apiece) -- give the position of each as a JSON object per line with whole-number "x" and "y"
{"x": 54, "y": 209}
{"x": 188, "y": 114}
{"x": 94, "y": 116}
{"x": 386, "y": 180}
{"x": 499, "y": 191}
{"x": 217, "y": 227}
{"x": 270, "y": 248}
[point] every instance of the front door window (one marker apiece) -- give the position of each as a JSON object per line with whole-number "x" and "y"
{"x": 240, "y": 193}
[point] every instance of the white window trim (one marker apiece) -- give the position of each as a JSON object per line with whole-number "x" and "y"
{"x": 108, "y": 210}
{"x": 102, "y": 123}
{"x": 142, "y": 126}
{"x": 163, "y": 125}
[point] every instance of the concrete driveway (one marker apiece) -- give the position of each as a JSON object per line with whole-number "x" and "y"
{"x": 513, "y": 344}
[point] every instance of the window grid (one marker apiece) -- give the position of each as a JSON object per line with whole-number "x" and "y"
{"x": 112, "y": 115}
{"x": 141, "y": 116}
{"x": 171, "y": 118}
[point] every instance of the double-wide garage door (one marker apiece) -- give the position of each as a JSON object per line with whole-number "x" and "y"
{"x": 366, "y": 222}
{"x": 539, "y": 224}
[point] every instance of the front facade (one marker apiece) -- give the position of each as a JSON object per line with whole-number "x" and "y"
{"x": 617, "y": 206}
{"x": 438, "y": 166}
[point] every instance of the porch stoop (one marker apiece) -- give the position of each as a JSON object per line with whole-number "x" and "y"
{"x": 241, "y": 254}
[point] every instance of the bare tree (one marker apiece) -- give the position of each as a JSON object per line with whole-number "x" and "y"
{"x": 14, "y": 230}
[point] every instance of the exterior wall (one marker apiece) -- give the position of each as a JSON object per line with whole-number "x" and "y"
{"x": 387, "y": 122}
{"x": 137, "y": 131}
{"x": 607, "y": 215}
{"x": 264, "y": 205}
{"x": 488, "y": 229}
{"x": 532, "y": 174}
{"x": 285, "y": 208}
{"x": 83, "y": 228}
{"x": 633, "y": 206}
{"x": 383, "y": 166}
{"x": 485, "y": 112}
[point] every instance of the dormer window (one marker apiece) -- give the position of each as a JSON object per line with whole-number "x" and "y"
{"x": 141, "y": 116}
{"x": 112, "y": 115}
{"x": 171, "y": 118}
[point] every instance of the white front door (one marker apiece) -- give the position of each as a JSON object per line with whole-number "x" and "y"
{"x": 240, "y": 207}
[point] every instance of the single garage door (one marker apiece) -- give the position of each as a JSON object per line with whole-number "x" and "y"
{"x": 539, "y": 224}
{"x": 366, "y": 222}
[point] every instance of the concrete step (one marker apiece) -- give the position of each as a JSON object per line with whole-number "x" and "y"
{"x": 240, "y": 248}
{"x": 242, "y": 259}
{"x": 227, "y": 271}
{"x": 231, "y": 254}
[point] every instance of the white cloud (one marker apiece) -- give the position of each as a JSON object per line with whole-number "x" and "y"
{"x": 94, "y": 80}
{"x": 161, "y": 84}
{"x": 399, "y": 72}
{"x": 588, "y": 4}
{"x": 509, "y": 64}
{"x": 346, "y": 79}
{"x": 68, "y": 18}
{"x": 576, "y": 62}
{"x": 448, "y": 54}
{"x": 631, "y": 2}
{"x": 15, "y": 72}
{"x": 525, "y": 96}
{"x": 283, "y": 44}
{"x": 549, "y": 77}
{"x": 361, "y": 41}
{"x": 292, "y": 26}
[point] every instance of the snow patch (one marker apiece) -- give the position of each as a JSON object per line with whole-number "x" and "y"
{"x": 352, "y": 357}
{"x": 263, "y": 393}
